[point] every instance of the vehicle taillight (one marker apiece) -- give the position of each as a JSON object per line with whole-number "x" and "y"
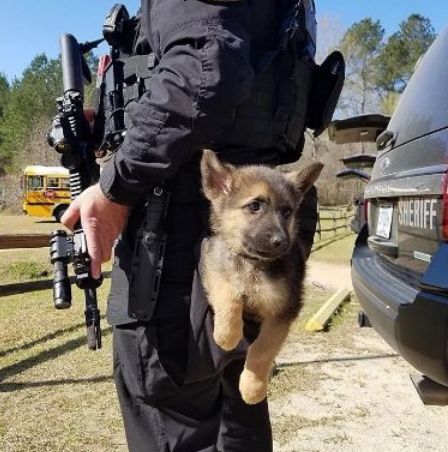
{"x": 366, "y": 207}
{"x": 366, "y": 210}
{"x": 103, "y": 64}
{"x": 445, "y": 207}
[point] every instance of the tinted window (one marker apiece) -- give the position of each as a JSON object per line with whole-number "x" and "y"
{"x": 423, "y": 107}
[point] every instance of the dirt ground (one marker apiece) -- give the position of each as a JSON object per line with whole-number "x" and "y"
{"x": 328, "y": 275}
{"x": 347, "y": 390}
{"x": 341, "y": 390}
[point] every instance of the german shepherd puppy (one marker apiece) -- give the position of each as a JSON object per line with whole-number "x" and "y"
{"x": 254, "y": 263}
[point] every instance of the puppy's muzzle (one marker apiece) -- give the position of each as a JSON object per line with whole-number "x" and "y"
{"x": 271, "y": 246}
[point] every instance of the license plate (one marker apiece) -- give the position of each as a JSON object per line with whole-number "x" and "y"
{"x": 384, "y": 223}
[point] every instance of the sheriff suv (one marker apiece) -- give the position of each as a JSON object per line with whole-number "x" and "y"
{"x": 400, "y": 260}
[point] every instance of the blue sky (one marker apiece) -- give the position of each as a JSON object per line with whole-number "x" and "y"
{"x": 29, "y": 27}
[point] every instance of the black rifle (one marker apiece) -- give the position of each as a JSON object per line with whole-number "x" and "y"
{"x": 71, "y": 137}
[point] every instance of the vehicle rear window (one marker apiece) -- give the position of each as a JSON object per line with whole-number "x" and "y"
{"x": 423, "y": 107}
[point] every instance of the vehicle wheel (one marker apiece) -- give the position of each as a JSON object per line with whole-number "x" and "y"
{"x": 59, "y": 211}
{"x": 363, "y": 320}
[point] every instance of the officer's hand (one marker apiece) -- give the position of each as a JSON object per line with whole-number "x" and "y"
{"x": 102, "y": 221}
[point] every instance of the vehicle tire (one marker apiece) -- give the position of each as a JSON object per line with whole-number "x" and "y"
{"x": 59, "y": 211}
{"x": 363, "y": 320}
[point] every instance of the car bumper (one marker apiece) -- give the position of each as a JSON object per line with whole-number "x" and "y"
{"x": 414, "y": 322}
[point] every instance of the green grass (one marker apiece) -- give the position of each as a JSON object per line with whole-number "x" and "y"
{"x": 24, "y": 264}
{"x": 22, "y": 224}
{"x": 337, "y": 252}
{"x": 28, "y": 264}
{"x": 55, "y": 394}
{"x": 313, "y": 300}
{"x": 338, "y": 316}
{"x": 24, "y": 270}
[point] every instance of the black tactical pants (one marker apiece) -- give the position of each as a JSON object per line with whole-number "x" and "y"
{"x": 161, "y": 414}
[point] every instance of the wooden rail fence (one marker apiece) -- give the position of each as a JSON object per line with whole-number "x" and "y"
{"x": 13, "y": 241}
{"x": 338, "y": 216}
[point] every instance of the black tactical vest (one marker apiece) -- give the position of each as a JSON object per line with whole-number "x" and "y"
{"x": 290, "y": 91}
{"x": 274, "y": 116}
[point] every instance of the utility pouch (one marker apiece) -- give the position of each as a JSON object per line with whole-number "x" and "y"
{"x": 148, "y": 256}
{"x": 328, "y": 80}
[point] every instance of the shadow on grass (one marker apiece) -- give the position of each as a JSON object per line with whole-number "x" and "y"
{"x": 46, "y": 355}
{"x": 335, "y": 360}
{"x": 11, "y": 387}
{"x": 48, "y": 337}
{"x": 326, "y": 242}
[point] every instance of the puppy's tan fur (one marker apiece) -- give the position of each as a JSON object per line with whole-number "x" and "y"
{"x": 253, "y": 263}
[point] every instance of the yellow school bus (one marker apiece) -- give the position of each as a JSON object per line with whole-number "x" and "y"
{"x": 46, "y": 191}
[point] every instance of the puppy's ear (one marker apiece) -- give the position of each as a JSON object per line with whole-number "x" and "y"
{"x": 216, "y": 175}
{"x": 304, "y": 178}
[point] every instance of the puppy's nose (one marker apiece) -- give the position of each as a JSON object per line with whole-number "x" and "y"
{"x": 278, "y": 240}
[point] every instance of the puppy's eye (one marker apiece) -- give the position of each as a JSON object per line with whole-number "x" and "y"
{"x": 286, "y": 212}
{"x": 254, "y": 206}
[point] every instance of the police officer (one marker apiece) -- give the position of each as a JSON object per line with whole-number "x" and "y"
{"x": 234, "y": 76}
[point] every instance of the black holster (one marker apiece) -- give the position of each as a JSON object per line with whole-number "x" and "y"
{"x": 148, "y": 256}
{"x": 328, "y": 81}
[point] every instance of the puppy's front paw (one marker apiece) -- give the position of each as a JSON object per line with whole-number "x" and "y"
{"x": 227, "y": 339}
{"x": 253, "y": 389}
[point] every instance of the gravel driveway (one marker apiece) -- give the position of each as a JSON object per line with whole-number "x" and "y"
{"x": 347, "y": 390}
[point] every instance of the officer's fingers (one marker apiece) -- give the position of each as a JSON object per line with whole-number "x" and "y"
{"x": 71, "y": 215}
{"x": 93, "y": 238}
{"x": 106, "y": 249}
